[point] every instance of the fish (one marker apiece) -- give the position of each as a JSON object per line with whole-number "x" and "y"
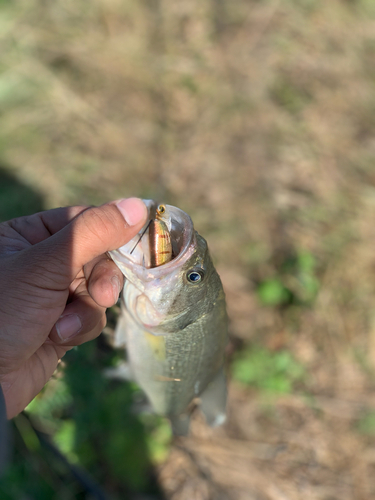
{"x": 173, "y": 319}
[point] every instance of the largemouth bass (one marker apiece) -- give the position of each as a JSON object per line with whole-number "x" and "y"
{"x": 173, "y": 317}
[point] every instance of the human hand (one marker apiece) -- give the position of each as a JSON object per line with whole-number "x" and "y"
{"x": 55, "y": 285}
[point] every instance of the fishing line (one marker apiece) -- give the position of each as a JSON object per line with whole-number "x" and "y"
{"x": 141, "y": 236}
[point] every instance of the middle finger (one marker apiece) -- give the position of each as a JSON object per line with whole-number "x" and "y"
{"x": 104, "y": 281}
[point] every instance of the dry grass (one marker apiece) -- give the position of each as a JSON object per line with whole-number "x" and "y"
{"x": 257, "y": 118}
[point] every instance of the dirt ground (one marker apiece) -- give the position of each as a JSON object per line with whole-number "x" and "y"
{"x": 256, "y": 117}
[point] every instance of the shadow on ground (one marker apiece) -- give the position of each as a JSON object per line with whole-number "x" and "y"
{"x": 16, "y": 198}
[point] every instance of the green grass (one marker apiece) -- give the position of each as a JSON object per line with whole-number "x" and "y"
{"x": 94, "y": 423}
{"x": 269, "y": 372}
{"x": 296, "y": 282}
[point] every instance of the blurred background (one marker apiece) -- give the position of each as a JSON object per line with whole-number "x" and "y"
{"x": 256, "y": 117}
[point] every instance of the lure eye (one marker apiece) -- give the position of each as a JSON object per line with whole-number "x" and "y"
{"x": 160, "y": 210}
{"x": 195, "y": 276}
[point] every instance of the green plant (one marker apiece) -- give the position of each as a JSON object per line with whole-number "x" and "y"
{"x": 366, "y": 424}
{"x": 94, "y": 423}
{"x": 271, "y": 372}
{"x": 296, "y": 282}
{"x": 272, "y": 292}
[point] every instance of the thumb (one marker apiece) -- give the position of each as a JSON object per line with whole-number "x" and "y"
{"x": 58, "y": 259}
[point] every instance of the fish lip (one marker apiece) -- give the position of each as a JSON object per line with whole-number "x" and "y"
{"x": 187, "y": 248}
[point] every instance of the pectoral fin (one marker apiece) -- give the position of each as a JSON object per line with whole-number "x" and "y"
{"x": 119, "y": 339}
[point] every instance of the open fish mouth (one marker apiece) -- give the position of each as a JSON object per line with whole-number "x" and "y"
{"x": 135, "y": 257}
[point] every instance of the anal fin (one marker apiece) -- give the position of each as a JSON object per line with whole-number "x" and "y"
{"x": 214, "y": 400}
{"x": 180, "y": 424}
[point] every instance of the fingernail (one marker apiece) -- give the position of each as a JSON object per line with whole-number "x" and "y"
{"x": 68, "y": 326}
{"x": 116, "y": 287}
{"x": 133, "y": 210}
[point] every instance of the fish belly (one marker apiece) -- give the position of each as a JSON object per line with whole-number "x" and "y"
{"x": 174, "y": 368}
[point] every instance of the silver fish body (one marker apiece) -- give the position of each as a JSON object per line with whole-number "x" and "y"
{"x": 174, "y": 323}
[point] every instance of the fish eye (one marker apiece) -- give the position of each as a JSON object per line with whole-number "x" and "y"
{"x": 160, "y": 210}
{"x": 195, "y": 276}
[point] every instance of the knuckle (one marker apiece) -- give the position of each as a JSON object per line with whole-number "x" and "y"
{"x": 100, "y": 222}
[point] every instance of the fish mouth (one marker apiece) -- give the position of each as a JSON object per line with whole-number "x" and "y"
{"x": 132, "y": 258}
